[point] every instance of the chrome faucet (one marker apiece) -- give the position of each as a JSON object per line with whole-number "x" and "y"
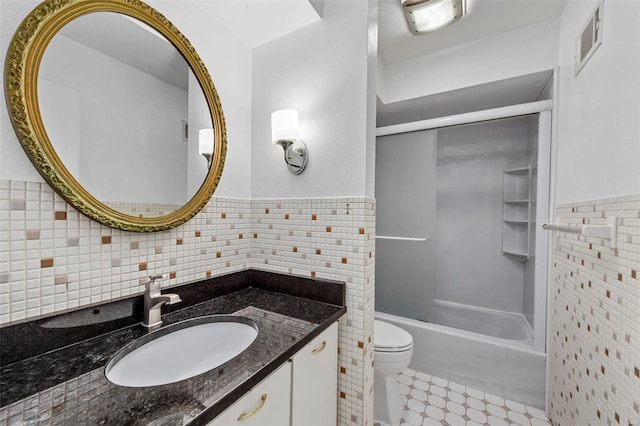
{"x": 154, "y": 299}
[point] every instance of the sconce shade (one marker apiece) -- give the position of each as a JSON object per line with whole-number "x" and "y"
{"x": 284, "y": 125}
{"x": 205, "y": 141}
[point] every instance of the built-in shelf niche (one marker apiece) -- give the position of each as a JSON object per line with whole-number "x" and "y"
{"x": 518, "y": 219}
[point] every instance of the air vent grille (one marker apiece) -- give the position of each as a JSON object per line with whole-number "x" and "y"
{"x": 590, "y": 38}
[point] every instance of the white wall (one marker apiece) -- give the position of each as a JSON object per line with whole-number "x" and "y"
{"x": 199, "y": 118}
{"x": 131, "y": 147}
{"x": 14, "y": 164}
{"x": 523, "y": 51}
{"x": 63, "y": 120}
{"x": 470, "y": 266}
{"x": 598, "y": 126}
{"x": 227, "y": 60}
{"x": 320, "y": 70}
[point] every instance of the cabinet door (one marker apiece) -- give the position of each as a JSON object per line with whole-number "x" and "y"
{"x": 315, "y": 381}
{"x": 267, "y": 404}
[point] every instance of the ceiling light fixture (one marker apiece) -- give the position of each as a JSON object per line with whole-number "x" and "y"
{"x": 425, "y": 16}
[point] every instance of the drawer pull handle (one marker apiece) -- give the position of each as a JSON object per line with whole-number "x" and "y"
{"x": 321, "y": 348}
{"x": 244, "y": 416}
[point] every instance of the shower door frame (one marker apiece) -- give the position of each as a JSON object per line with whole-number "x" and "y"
{"x": 544, "y": 204}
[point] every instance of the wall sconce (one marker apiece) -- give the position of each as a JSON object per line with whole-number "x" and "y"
{"x": 284, "y": 132}
{"x": 205, "y": 145}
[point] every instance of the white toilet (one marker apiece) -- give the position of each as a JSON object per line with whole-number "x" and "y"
{"x": 393, "y": 348}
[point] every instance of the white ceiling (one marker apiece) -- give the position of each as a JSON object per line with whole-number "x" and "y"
{"x": 484, "y": 18}
{"x": 131, "y": 42}
{"x": 258, "y": 21}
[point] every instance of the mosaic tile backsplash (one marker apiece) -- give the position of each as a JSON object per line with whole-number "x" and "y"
{"x": 53, "y": 259}
{"x": 595, "y": 318}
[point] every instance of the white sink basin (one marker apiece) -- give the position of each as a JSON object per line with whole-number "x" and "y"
{"x": 180, "y": 351}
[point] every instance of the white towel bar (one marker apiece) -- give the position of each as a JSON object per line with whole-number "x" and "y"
{"x": 386, "y": 237}
{"x": 608, "y": 231}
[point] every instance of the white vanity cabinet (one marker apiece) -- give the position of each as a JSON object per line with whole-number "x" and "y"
{"x": 302, "y": 392}
{"x": 268, "y": 404}
{"x": 314, "y": 390}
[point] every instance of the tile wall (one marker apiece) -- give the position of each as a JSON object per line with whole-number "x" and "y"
{"x": 595, "y": 318}
{"x": 331, "y": 238}
{"x": 54, "y": 259}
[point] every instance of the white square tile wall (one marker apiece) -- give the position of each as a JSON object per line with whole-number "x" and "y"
{"x": 595, "y": 318}
{"x": 331, "y": 238}
{"x": 53, "y": 259}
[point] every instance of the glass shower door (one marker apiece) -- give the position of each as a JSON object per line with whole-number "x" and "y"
{"x": 405, "y": 224}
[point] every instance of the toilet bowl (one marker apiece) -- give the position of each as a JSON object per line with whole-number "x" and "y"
{"x": 393, "y": 348}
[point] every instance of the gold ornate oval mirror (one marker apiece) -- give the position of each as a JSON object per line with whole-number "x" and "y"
{"x": 108, "y": 99}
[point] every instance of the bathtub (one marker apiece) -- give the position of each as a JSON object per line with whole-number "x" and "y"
{"x": 503, "y": 325}
{"x": 508, "y": 367}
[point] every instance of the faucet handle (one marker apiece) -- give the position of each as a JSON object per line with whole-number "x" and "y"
{"x": 159, "y": 276}
{"x": 153, "y": 280}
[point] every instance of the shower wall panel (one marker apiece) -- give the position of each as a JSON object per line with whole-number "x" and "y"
{"x": 470, "y": 266}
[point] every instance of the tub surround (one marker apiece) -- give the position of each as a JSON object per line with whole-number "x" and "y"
{"x": 68, "y": 382}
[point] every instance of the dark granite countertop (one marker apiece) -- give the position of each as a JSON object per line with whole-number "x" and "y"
{"x": 67, "y": 385}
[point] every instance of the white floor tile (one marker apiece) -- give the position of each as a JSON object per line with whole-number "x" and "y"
{"x": 415, "y": 405}
{"x": 456, "y": 397}
{"x": 431, "y": 422}
{"x": 456, "y": 408}
{"x": 413, "y": 418}
{"x": 436, "y": 401}
{"x": 476, "y": 415}
{"x": 435, "y": 412}
{"x": 519, "y": 418}
{"x": 515, "y": 406}
{"x": 495, "y": 400}
{"x": 438, "y": 390}
{"x": 454, "y": 419}
{"x": 475, "y": 393}
{"x": 418, "y": 394}
{"x": 476, "y": 403}
{"x": 420, "y": 384}
{"x": 432, "y": 401}
{"x": 497, "y": 411}
{"x": 422, "y": 376}
{"x": 497, "y": 421}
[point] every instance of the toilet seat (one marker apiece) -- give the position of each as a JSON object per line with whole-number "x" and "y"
{"x": 390, "y": 338}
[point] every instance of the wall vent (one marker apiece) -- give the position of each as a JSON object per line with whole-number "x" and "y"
{"x": 590, "y": 37}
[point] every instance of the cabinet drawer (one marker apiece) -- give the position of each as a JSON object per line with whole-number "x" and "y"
{"x": 265, "y": 405}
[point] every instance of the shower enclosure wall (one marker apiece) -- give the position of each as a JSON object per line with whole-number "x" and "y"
{"x": 458, "y": 250}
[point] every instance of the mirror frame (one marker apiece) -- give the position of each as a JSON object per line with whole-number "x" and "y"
{"x": 24, "y": 56}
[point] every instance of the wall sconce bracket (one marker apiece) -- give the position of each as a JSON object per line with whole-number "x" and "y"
{"x": 295, "y": 154}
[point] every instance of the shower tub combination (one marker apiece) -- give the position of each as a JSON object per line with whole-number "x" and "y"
{"x": 440, "y": 249}
{"x": 480, "y": 348}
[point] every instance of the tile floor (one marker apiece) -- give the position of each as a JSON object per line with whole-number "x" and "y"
{"x": 432, "y": 401}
